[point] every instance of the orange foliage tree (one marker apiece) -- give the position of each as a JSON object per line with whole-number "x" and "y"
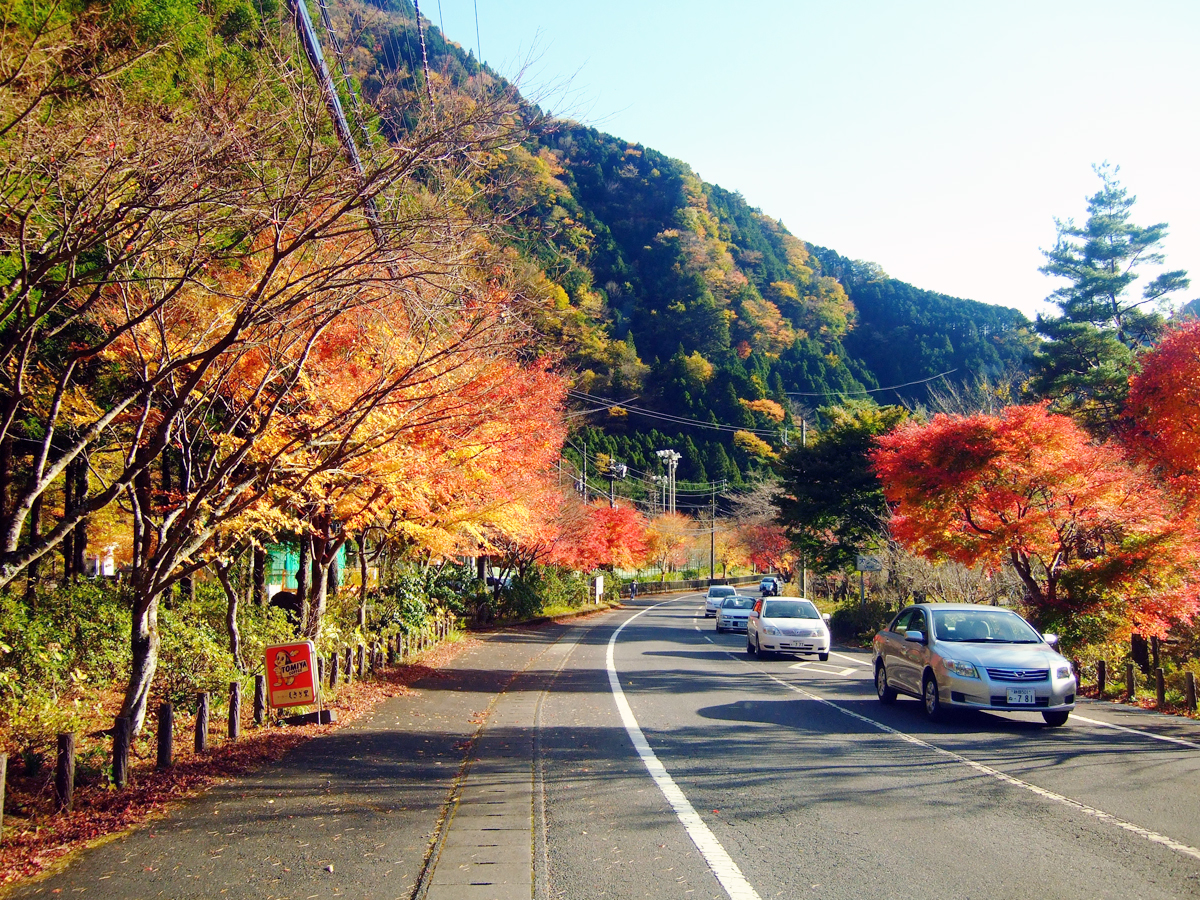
{"x": 602, "y": 537}
{"x": 1087, "y": 533}
{"x": 769, "y": 549}
{"x": 1163, "y": 413}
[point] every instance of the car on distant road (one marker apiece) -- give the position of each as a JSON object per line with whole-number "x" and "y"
{"x": 966, "y": 656}
{"x": 787, "y": 625}
{"x": 734, "y": 612}
{"x": 770, "y": 586}
{"x": 715, "y": 596}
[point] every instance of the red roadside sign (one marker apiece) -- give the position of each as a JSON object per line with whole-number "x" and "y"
{"x": 291, "y": 674}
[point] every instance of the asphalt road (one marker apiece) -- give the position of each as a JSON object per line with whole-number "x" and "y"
{"x": 639, "y": 754}
{"x": 808, "y": 786}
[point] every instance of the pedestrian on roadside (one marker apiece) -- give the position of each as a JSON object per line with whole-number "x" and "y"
{"x": 632, "y": 590}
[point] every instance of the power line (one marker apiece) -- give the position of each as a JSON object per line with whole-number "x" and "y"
{"x": 870, "y": 390}
{"x": 664, "y": 417}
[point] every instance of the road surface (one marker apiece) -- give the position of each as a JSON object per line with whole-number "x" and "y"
{"x": 639, "y": 754}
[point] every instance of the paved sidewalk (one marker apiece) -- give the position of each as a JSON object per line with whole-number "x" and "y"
{"x": 353, "y": 814}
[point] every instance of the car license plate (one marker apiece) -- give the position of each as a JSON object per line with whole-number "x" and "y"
{"x": 1021, "y": 697}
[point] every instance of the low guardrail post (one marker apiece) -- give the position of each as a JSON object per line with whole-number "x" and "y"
{"x": 235, "y": 710}
{"x": 260, "y": 699}
{"x": 202, "y": 722}
{"x": 120, "y": 762}
{"x": 166, "y": 736}
{"x": 64, "y": 773}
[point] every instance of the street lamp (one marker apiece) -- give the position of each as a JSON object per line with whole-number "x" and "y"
{"x": 615, "y": 470}
{"x": 672, "y": 460}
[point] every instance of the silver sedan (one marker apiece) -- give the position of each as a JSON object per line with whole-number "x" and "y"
{"x": 733, "y": 613}
{"x": 958, "y": 655}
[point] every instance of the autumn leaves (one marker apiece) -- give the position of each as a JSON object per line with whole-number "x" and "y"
{"x": 1092, "y": 528}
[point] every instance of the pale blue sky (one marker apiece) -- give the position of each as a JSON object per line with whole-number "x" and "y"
{"x": 938, "y": 139}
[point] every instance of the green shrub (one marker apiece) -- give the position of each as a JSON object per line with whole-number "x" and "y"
{"x": 856, "y": 622}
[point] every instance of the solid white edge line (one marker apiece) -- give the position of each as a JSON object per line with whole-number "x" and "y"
{"x": 1092, "y": 811}
{"x": 722, "y": 865}
{"x": 1149, "y": 734}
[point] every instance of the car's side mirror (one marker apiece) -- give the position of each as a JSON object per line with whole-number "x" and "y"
{"x": 1051, "y": 639}
{"x": 825, "y": 617}
{"x": 916, "y": 637}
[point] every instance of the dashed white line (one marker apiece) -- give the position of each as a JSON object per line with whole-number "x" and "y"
{"x": 722, "y": 865}
{"x": 1092, "y": 811}
{"x": 1149, "y": 734}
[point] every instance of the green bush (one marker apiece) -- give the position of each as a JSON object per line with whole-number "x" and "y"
{"x": 856, "y": 622}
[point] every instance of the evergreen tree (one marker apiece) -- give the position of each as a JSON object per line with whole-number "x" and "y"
{"x": 1084, "y": 367}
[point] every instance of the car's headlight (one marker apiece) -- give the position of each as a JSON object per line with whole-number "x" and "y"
{"x": 770, "y": 629}
{"x": 1062, "y": 672}
{"x": 958, "y": 667}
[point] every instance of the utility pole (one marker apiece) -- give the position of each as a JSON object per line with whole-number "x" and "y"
{"x": 712, "y": 538}
{"x": 672, "y": 459}
{"x": 585, "y": 472}
{"x": 615, "y": 470}
{"x": 803, "y": 556}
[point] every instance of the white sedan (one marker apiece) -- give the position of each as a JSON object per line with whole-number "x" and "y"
{"x": 715, "y": 597}
{"x": 787, "y": 625}
{"x": 733, "y": 613}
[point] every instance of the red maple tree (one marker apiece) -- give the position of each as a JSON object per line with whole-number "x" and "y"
{"x": 1163, "y": 412}
{"x": 1082, "y": 528}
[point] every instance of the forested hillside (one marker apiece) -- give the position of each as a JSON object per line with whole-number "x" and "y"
{"x": 658, "y": 286}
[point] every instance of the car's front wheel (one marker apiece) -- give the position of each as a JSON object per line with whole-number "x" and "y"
{"x": 749, "y": 647}
{"x": 886, "y": 694}
{"x": 932, "y": 699}
{"x": 1056, "y": 718}
{"x": 720, "y": 630}
{"x": 823, "y": 657}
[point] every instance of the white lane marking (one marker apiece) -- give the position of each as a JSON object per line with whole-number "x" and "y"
{"x": 722, "y": 865}
{"x": 823, "y": 669}
{"x": 1149, "y": 734}
{"x": 853, "y": 659}
{"x": 1100, "y": 814}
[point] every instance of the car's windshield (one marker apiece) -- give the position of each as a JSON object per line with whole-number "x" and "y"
{"x": 789, "y": 609}
{"x": 721, "y": 592}
{"x": 739, "y": 603}
{"x": 991, "y": 626}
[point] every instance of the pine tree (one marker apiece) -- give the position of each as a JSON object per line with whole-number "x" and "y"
{"x": 1084, "y": 367}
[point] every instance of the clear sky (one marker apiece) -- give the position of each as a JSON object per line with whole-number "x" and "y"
{"x": 938, "y": 139}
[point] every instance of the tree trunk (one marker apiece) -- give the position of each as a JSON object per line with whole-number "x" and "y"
{"x": 34, "y": 571}
{"x": 68, "y": 541}
{"x": 144, "y": 644}
{"x": 260, "y": 576}
{"x": 231, "y": 614}
{"x": 320, "y": 595}
{"x": 79, "y": 545}
{"x": 302, "y": 574}
{"x": 362, "y": 572}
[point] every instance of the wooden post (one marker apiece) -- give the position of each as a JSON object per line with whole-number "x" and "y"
{"x": 349, "y": 666}
{"x": 1190, "y": 689}
{"x": 333, "y": 670}
{"x": 1130, "y": 681}
{"x": 166, "y": 736}
{"x": 260, "y": 699}
{"x": 1160, "y": 688}
{"x": 1101, "y": 676}
{"x": 391, "y": 649}
{"x": 3, "y": 775}
{"x": 320, "y": 669}
{"x": 235, "y": 710}
{"x": 202, "y": 722}
{"x": 64, "y": 773}
{"x": 362, "y": 661}
{"x": 120, "y": 761}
